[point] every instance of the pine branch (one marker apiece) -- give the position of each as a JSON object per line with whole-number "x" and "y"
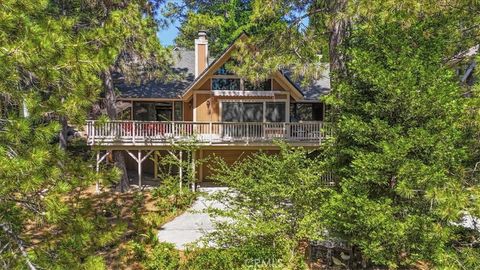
{"x": 20, "y": 244}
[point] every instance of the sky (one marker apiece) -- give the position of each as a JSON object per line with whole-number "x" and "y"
{"x": 166, "y": 36}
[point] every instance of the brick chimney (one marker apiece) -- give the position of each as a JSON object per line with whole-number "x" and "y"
{"x": 201, "y": 52}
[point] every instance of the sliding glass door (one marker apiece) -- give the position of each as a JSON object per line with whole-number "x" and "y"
{"x": 158, "y": 111}
{"x": 250, "y": 112}
{"x": 253, "y": 111}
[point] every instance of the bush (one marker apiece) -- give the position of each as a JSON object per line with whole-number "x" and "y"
{"x": 245, "y": 257}
{"x": 170, "y": 197}
{"x": 94, "y": 263}
{"x": 211, "y": 259}
{"x": 163, "y": 256}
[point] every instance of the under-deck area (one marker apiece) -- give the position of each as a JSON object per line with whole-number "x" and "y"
{"x": 193, "y": 144}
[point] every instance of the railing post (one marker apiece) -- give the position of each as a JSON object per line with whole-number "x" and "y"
{"x": 92, "y": 132}
{"x": 320, "y": 137}
{"x": 264, "y": 131}
{"x": 133, "y": 132}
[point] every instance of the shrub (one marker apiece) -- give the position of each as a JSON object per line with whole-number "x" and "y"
{"x": 163, "y": 256}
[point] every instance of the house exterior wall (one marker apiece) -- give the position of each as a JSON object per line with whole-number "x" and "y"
{"x": 206, "y": 86}
{"x": 208, "y": 107}
{"x": 276, "y": 86}
{"x": 188, "y": 110}
{"x": 229, "y": 156}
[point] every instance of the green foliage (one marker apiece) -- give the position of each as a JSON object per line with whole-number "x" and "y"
{"x": 223, "y": 20}
{"x": 212, "y": 259}
{"x": 50, "y": 59}
{"x": 268, "y": 208}
{"x": 94, "y": 263}
{"x": 169, "y": 197}
{"x": 400, "y": 146}
{"x": 35, "y": 175}
{"x": 258, "y": 255}
{"x": 162, "y": 256}
{"x": 403, "y": 148}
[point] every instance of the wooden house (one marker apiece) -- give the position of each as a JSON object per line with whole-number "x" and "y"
{"x": 224, "y": 114}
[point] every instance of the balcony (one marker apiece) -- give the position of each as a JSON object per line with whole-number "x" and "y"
{"x": 141, "y": 133}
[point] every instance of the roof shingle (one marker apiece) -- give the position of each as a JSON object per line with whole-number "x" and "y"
{"x": 184, "y": 66}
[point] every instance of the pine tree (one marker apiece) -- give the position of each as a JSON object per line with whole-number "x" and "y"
{"x": 401, "y": 149}
{"x": 223, "y": 20}
{"x": 51, "y": 57}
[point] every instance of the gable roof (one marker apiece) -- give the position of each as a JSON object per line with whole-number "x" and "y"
{"x": 184, "y": 65}
{"x": 222, "y": 58}
{"x": 316, "y": 88}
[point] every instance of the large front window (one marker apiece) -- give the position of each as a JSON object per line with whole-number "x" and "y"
{"x": 158, "y": 111}
{"x": 306, "y": 112}
{"x": 253, "y": 111}
{"x": 275, "y": 112}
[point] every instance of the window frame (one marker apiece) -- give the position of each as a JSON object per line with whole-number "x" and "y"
{"x": 154, "y": 105}
{"x": 242, "y": 83}
{"x": 294, "y": 112}
{"x": 264, "y": 108}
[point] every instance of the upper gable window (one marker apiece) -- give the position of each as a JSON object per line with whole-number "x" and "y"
{"x": 261, "y": 86}
{"x": 225, "y": 79}
{"x": 225, "y": 84}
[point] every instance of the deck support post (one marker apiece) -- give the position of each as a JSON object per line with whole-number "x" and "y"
{"x": 200, "y": 168}
{"x": 139, "y": 163}
{"x": 139, "y": 159}
{"x": 97, "y": 169}
{"x": 155, "y": 164}
{"x": 179, "y": 159}
{"x": 180, "y": 169}
{"x": 193, "y": 170}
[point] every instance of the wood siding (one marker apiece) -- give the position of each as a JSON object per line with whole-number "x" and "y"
{"x": 188, "y": 110}
{"x": 229, "y": 156}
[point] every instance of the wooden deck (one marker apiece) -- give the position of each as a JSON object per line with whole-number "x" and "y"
{"x": 141, "y": 133}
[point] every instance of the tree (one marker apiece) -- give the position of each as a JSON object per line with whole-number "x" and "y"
{"x": 401, "y": 145}
{"x": 402, "y": 124}
{"x": 135, "y": 52}
{"x": 223, "y": 20}
{"x": 268, "y": 209}
{"x": 51, "y": 56}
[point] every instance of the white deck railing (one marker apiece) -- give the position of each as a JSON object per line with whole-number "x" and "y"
{"x": 142, "y": 132}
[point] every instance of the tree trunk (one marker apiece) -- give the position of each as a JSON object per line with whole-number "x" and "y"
{"x": 339, "y": 25}
{"x": 110, "y": 106}
{"x": 63, "y": 141}
{"x": 338, "y": 28}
